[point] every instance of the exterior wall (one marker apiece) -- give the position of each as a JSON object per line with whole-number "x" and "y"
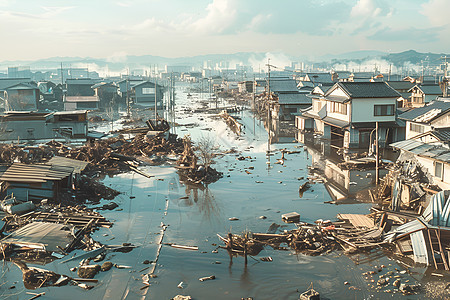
{"x": 23, "y": 100}
{"x": 339, "y": 93}
{"x": 42, "y": 129}
{"x": 317, "y": 105}
{"x": 304, "y": 123}
{"x": 319, "y": 126}
{"x": 68, "y": 106}
{"x": 337, "y": 115}
{"x": 428, "y": 163}
{"x": 411, "y": 134}
{"x": 363, "y": 109}
{"x": 354, "y": 138}
{"x": 148, "y": 99}
{"x": 442, "y": 121}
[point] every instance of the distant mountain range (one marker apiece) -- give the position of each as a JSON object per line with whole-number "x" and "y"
{"x": 246, "y": 58}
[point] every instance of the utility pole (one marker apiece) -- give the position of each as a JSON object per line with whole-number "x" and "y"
{"x": 62, "y": 77}
{"x": 444, "y": 80}
{"x": 268, "y": 99}
{"x": 156, "y": 104}
{"x": 389, "y": 74}
{"x": 128, "y": 95}
{"x": 377, "y": 158}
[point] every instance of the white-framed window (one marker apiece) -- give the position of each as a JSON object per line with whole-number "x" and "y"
{"x": 439, "y": 169}
{"x": 148, "y": 91}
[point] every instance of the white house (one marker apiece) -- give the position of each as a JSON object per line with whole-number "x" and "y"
{"x": 434, "y": 157}
{"x": 423, "y": 94}
{"x": 423, "y": 119}
{"x": 346, "y": 114}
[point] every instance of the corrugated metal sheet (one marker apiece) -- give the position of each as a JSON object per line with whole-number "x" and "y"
{"x": 437, "y": 212}
{"x": 406, "y": 144}
{"x": 420, "y": 150}
{"x": 419, "y": 247}
{"x": 37, "y": 173}
{"x": 48, "y": 235}
{"x": 395, "y": 204}
{"x": 404, "y": 230}
{"x": 77, "y": 165}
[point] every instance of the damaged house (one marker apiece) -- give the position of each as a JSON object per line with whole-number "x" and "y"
{"x": 28, "y": 182}
{"x": 423, "y": 119}
{"x": 37, "y": 126}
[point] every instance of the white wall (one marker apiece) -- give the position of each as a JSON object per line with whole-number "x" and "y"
{"x": 411, "y": 134}
{"x": 363, "y": 109}
{"x": 428, "y": 163}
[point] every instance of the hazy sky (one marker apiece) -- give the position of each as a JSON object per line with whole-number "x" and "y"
{"x": 32, "y": 29}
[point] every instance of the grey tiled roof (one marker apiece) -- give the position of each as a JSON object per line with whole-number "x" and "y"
{"x": 283, "y": 85}
{"x": 294, "y": 98}
{"x": 400, "y": 85}
{"x": 367, "y": 90}
{"x": 431, "y": 89}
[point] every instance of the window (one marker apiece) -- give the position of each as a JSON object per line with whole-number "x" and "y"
{"x": 383, "y": 110}
{"x": 338, "y": 108}
{"x": 439, "y": 170}
{"x": 147, "y": 91}
{"x": 416, "y": 128}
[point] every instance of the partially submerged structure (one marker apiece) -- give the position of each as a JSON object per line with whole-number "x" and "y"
{"x": 29, "y": 182}
{"x": 346, "y": 114}
{"x": 37, "y": 126}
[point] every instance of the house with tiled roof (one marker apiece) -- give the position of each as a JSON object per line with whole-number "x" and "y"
{"x": 423, "y": 94}
{"x": 346, "y": 114}
{"x": 288, "y": 100}
{"x": 424, "y": 119}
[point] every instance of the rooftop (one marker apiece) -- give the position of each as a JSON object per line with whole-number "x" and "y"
{"x": 435, "y": 151}
{"x": 426, "y": 113}
{"x": 366, "y": 90}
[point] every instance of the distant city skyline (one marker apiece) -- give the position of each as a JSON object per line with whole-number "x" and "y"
{"x": 175, "y": 28}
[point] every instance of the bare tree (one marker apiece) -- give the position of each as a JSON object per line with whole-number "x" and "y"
{"x": 205, "y": 149}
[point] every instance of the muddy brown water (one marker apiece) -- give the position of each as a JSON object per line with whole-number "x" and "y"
{"x": 194, "y": 216}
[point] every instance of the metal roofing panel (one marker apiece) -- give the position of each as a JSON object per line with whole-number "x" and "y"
{"x": 404, "y": 230}
{"x": 436, "y": 152}
{"x": 77, "y": 165}
{"x": 437, "y": 213}
{"x": 421, "y": 149}
{"x": 419, "y": 111}
{"x": 419, "y": 247}
{"x": 443, "y": 157}
{"x": 407, "y": 144}
{"x": 49, "y": 235}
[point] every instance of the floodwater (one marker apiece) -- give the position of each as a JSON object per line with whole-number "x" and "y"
{"x": 194, "y": 216}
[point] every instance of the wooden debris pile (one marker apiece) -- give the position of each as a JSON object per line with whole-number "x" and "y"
{"x": 406, "y": 187}
{"x": 234, "y": 125}
{"x": 189, "y": 169}
{"x": 50, "y": 232}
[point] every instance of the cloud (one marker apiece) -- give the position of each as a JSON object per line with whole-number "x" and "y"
{"x": 437, "y": 12}
{"x": 153, "y": 24}
{"x": 387, "y": 34}
{"x": 220, "y": 16}
{"x": 51, "y": 11}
